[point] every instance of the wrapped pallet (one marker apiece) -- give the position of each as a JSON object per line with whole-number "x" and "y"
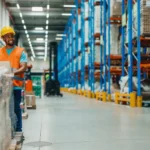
{"x": 115, "y": 8}
{"x": 114, "y": 42}
{"x": 86, "y": 58}
{"x": 79, "y": 44}
{"x": 5, "y": 108}
{"x": 67, "y": 42}
{"x": 97, "y": 54}
{"x": 70, "y": 37}
{"x": 79, "y": 61}
{"x": 79, "y": 19}
{"x": 74, "y": 28}
{"x": 86, "y": 10}
{"x": 74, "y": 66}
{"x": 86, "y": 35}
{"x": 97, "y": 20}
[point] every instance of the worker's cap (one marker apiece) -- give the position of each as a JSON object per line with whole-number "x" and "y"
{"x": 6, "y": 30}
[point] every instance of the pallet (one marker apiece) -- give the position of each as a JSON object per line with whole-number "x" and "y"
{"x": 31, "y": 107}
{"x": 25, "y": 115}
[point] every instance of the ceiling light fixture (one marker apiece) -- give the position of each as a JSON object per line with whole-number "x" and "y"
{"x": 26, "y": 32}
{"x": 32, "y": 58}
{"x": 58, "y": 39}
{"x": 24, "y": 27}
{"x": 23, "y": 21}
{"x": 70, "y": 6}
{"x": 39, "y": 39}
{"x": 45, "y": 58}
{"x": 37, "y": 8}
{"x": 33, "y": 52}
{"x": 18, "y": 6}
{"x": 47, "y": 16}
{"x": 46, "y": 32}
{"x": 66, "y": 14}
{"x": 47, "y": 7}
{"x": 27, "y": 35}
{"x": 47, "y": 21}
{"x": 39, "y": 28}
{"x": 20, "y": 15}
{"x": 61, "y": 35}
{"x": 46, "y": 36}
{"x": 46, "y": 27}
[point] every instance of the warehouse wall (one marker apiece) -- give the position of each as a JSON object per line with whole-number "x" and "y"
{"x": 4, "y": 16}
{"x": 39, "y": 65}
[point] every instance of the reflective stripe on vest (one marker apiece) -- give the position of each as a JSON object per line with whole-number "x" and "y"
{"x": 18, "y": 78}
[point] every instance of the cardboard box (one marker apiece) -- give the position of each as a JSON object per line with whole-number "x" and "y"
{"x": 30, "y": 100}
{"x": 30, "y": 93}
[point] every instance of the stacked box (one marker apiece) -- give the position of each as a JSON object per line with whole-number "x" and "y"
{"x": 30, "y": 100}
{"x": 145, "y": 18}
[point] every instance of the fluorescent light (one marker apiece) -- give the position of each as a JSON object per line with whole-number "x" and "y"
{"x": 40, "y": 53}
{"x": 27, "y": 35}
{"x": 45, "y": 58}
{"x": 47, "y": 16}
{"x": 58, "y": 39}
{"x": 46, "y": 27}
{"x": 70, "y": 6}
{"x": 37, "y": 8}
{"x": 33, "y": 52}
{"x": 61, "y": 35}
{"x": 24, "y": 27}
{"x": 66, "y": 14}
{"x": 23, "y": 21}
{"x": 47, "y": 21}
{"x": 39, "y": 39}
{"x": 46, "y": 36}
{"x": 46, "y": 32}
{"x": 32, "y": 58}
{"x": 18, "y": 6}
{"x": 47, "y": 7}
{"x": 39, "y": 28}
{"x": 20, "y": 15}
{"x": 26, "y": 31}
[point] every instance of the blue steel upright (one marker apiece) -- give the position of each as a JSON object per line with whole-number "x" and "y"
{"x": 130, "y": 56}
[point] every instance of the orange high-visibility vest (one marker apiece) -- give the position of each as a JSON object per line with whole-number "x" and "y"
{"x": 14, "y": 59}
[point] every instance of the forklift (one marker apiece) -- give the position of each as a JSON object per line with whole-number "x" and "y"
{"x": 52, "y": 84}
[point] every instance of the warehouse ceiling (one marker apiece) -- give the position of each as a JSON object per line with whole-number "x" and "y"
{"x": 52, "y": 20}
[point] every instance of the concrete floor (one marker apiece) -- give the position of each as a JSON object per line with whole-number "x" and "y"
{"x": 78, "y": 123}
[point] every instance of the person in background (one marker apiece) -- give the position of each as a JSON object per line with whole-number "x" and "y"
{"x": 18, "y": 62}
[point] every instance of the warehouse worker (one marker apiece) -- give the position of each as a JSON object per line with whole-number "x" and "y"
{"x": 18, "y": 62}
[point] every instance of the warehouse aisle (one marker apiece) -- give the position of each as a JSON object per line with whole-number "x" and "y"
{"x": 78, "y": 123}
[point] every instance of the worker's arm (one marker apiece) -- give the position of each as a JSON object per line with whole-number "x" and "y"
{"x": 22, "y": 69}
{"x": 23, "y": 64}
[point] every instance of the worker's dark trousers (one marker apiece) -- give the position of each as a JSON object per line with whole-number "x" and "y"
{"x": 17, "y": 100}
